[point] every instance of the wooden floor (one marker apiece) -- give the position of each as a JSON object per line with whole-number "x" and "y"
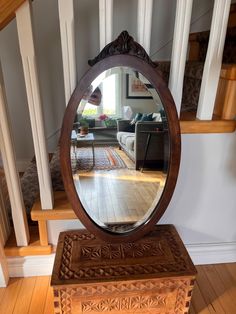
{"x": 119, "y": 195}
{"x": 214, "y": 293}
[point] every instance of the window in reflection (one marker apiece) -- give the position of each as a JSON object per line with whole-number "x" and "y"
{"x": 110, "y": 102}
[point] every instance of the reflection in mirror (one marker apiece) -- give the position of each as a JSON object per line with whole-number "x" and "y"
{"x": 120, "y": 149}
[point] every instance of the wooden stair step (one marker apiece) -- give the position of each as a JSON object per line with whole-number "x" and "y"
{"x": 62, "y": 209}
{"x": 34, "y": 247}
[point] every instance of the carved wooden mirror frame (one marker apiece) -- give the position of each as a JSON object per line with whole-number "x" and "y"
{"x": 124, "y": 51}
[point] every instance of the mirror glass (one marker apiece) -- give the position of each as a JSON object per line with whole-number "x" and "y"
{"x": 120, "y": 149}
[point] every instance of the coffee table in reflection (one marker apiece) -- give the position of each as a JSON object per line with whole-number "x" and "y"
{"x": 78, "y": 140}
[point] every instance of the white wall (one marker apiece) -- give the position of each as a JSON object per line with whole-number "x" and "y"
{"x": 48, "y": 51}
{"x": 137, "y": 105}
{"x": 125, "y": 17}
{"x": 15, "y": 91}
{"x": 141, "y": 105}
{"x": 164, "y": 19}
{"x": 201, "y": 15}
{"x": 204, "y": 203}
{"x": 86, "y": 33}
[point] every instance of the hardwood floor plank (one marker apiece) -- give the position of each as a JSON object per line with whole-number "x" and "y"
{"x": 208, "y": 293}
{"x": 39, "y": 295}
{"x": 49, "y": 308}
{"x": 11, "y": 295}
{"x": 231, "y": 267}
{"x": 198, "y": 303}
{"x": 25, "y": 294}
{"x": 220, "y": 289}
{"x": 2, "y": 292}
{"x": 228, "y": 281}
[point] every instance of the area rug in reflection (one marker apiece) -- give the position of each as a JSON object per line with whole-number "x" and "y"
{"x": 106, "y": 158}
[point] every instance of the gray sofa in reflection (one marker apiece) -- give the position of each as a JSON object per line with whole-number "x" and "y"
{"x": 134, "y": 143}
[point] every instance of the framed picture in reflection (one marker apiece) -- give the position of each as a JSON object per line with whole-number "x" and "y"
{"x": 136, "y": 89}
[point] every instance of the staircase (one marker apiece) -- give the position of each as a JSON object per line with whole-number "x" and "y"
{"x": 61, "y": 209}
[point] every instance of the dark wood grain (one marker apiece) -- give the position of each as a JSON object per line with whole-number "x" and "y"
{"x": 124, "y": 44}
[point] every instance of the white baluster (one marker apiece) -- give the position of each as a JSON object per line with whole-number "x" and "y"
{"x": 179, "y": 49}
{"x": 67, "y": 29}
{"x": 10, "y": 169}
{"x": 105, "y": 22}
{"x": 144, "y": 23}
{"x": 26, "y": 42}
{"x": 213, "y": 61}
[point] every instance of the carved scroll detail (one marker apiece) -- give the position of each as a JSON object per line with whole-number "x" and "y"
{"x": 124, "y": 44}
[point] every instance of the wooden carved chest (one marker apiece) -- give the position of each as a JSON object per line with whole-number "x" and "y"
{"x": 152, "y": 275}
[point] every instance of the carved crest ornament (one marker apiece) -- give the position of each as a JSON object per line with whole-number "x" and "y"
{"x": 124, "y": 44}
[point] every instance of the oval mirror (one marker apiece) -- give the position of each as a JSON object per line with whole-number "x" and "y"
{"x": 120, "y": 144}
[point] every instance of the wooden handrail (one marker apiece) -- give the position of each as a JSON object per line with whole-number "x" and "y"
{"x": 209, "y": 126}
{"x": 7, "y": 11}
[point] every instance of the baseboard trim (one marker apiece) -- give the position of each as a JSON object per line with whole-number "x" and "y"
{"x": 29, "y": 266}
{"x": 201, "y": 254}
{"x": 212, "y": 253}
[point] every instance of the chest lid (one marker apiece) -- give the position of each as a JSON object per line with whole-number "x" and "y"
{"x": 82, "y": 258}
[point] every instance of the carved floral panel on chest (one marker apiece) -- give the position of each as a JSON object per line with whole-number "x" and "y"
{"x": 151, "y": 275}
